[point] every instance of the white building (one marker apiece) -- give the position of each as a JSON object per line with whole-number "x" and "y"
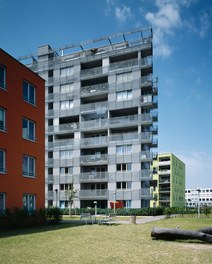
{"x": 203, "y": 194}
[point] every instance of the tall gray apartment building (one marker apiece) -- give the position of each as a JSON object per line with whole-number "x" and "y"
{"x": 101, "y": 119}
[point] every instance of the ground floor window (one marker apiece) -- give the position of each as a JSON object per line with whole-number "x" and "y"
{"x": 2, "y": 201}
{"x": 29, "y": 201}
{"x": 127, "y": 203}
{"x": 63, "y": 204}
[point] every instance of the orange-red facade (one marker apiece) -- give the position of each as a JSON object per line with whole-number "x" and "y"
{"x": 22, "y": 135}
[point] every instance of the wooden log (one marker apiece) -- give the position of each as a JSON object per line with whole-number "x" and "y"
{"x": 206, "y": 230}
{"x": 173, "y": 234}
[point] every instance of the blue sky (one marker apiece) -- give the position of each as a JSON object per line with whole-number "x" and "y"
{"x": 182, "y": 59}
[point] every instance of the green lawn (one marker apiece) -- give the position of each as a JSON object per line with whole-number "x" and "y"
{"x": 69, "y": 243}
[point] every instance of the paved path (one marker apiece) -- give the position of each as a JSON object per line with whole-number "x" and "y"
{"x": 142, "y": 220}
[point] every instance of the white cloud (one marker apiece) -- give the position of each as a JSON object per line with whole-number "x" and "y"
{"x": 204, "y": 24}
{"x": 164, "y": 21}
{"x": 198, "y": 168}
{"x": 123, "y": 13}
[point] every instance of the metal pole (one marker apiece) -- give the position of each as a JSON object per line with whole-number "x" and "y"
{"x": 198, "y": 205}
{"x": 56, "y": 190}
{"x": 114, "y": 206}
{"x": 95, "y": 203}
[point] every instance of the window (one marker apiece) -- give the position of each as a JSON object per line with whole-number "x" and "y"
{"x": 63, "y": 204}
{"x": 50, "y": 171}
{"x": 123, "y": 185}
{"x": 124, "y": 77}
{"x": 2, "y": 119}
{"x": 28, "y": 166}
{"x": 65, "y": 154}
{"x": 67, "y": 71}
{"x": 67, "y": 104}
{"x": 124, "y": 167}
{"x": 66, "y": 170}
{"x": 124, "y": 149}
{"x": 2, "y": 201}
{"x": 29, "y": 93}
{"x": 124, "y": 95}
{"x": 2, "y": 161}
{"x": 28, "y": 129}
{"x": 50, "y": 89}
{"x": 65, "y": 186}
{"x": 29, "y": 202}
{"x": 50, "y": 122}
{"x": 2, "y": 77}
{"x": 50, "y": 187}
{"x": 127, "y": 203}
{"x": 66, "y": 88}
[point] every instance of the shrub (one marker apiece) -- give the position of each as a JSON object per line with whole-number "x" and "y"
{"x": 54, "y": 215}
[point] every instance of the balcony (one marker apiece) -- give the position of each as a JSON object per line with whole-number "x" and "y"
{"x": 123, "y": 137}
{"x": 71, "y": 127}
{"x": 164, "y": 181}
{"x": 94, "y": 89}
{"x": 164, "y": 190}
{"x": 124, "y": 104}
{"x": 92, "y": 159}
{"x": 98, "y": 107}
{"x": 93, "y": 194}
{"x": 146, "y": 156}
{"x": 146, "y": 193}
{"x": 146, "y": 61}
{"x": 145, "y": 175}
{"x": 94, "y": 124}
{"x": 94, "y": 176}
{"x": 164, "y": 172}
{"x": 131, "y": 120}
{"x": 91, "y": 72}
{"x": 94, "y": 141}
{"x": 123, "y": 64}
{"x": 146, "y": 137}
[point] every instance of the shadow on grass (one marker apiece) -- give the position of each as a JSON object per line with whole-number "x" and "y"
{"x": 38, "y": 229}
{"x": 46, "y": 228}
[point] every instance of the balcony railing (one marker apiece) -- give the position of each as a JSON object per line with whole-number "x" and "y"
{"x": 97, "y": 123}
{"x": 146, "y": 61}
{"x": 70, "y": 127}
{"x": 101, "y": 193}
{"x": 146, "y": 193}
{"x": 123, "y": 137}
{"x": 146, "y": 155}
{"x": 98, "y": 107}
{"x": 93, "y": 176}
{"x": 91, "y": 72}
{"x": 123, "y": 64}
{"x": 98, "y": 158}
{"x": 145, "y": 174}
{"x": 85, "y": 142}
{"x": 94, "y": 89}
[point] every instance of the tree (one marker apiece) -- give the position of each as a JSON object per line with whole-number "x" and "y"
{"x": 71, "y": 195}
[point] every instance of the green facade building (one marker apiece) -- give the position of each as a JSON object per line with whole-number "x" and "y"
{"x": 168, "y": 181}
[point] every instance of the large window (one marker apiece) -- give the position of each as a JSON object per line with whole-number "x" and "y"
{"x": 65, "y": 154}
{"x": 2, "y": 201}
{"x": 2, "y": 77}
{"x": 28, "y": 166}
{"x": 124, "y": 95}
{"x": 67, "y": 71}
{"x": 29, "y": 201}
{"x": 66, "y": 88}
{"x": 67, "y": 104}
{"x": 124, "y": 167}
{"x": 124, "y": 149}
{"x": 2, "y": 119}
{"x": 2, "y": 161}
{"x": 66, "y": 170}
{"x": 28, "y": 129}
{"x": 124, "y": 77}
{"x": 124, "y": 185}
{"x": 29, "y": 93}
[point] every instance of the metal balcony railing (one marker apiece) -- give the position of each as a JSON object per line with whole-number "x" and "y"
{"x": 97, "y": 123}
{"x": 93, "y": 176}
{"x": 123, "y": 137}
{"x": 91, "y": 72}
{"x": 98, "y": 158}
{"x": 146, "y": 193}
{"x": 94, "y": 89}
{"x": 146, "y": 155}
{"x": 101, "y": 193}
{"x": 99, "y": 107}
{"x": 145, "y": 174}
{"x": 84, "y": 142}
{"x": 70, "y": 127}
{"x": 123, "y": 64}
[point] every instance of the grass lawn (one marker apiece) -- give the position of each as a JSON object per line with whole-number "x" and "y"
{"x": 71, "y": 243}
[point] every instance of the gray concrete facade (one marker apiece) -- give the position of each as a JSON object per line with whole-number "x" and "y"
{"x": 101, "y": 119}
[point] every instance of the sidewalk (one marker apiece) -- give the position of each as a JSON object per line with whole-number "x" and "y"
{"x": 142, "y": 220}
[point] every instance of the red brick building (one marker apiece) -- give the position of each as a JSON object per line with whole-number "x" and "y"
{"x": 22, "y": 136}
